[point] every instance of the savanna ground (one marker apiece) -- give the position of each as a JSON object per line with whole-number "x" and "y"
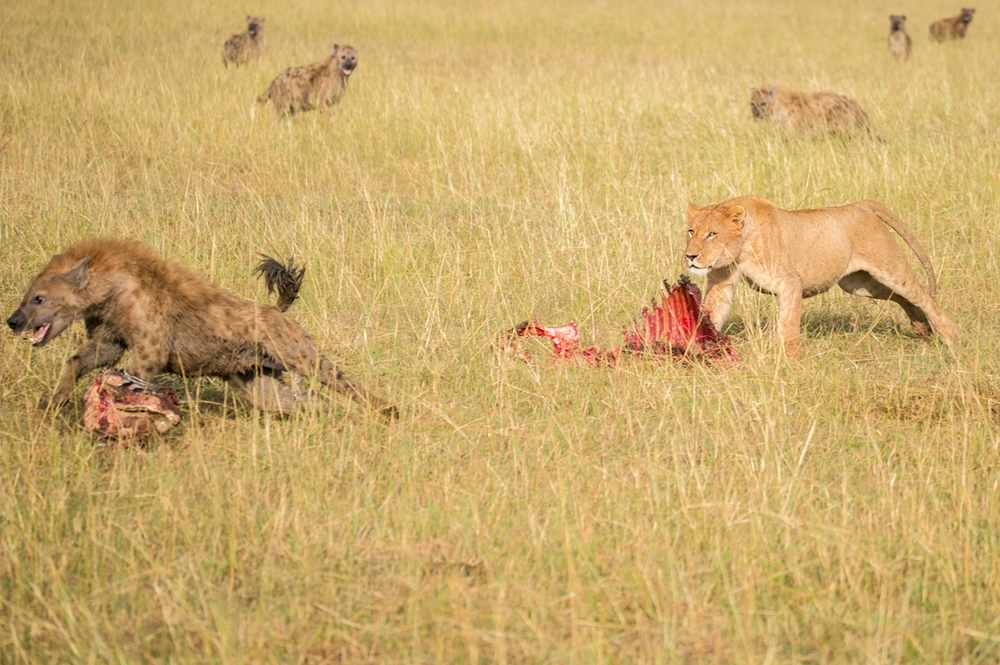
{"x": 491, "y": 162}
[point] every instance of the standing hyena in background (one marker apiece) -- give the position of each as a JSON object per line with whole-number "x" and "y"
{"x": 240, "y": 48}
{"x": 808, "y": 111}
{"x": 899, "y": 42}
{"x": 316, "y": 86}
{"x": 954, "y": 27}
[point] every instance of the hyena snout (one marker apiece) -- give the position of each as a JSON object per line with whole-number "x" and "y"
{"x": 17, "y": 321}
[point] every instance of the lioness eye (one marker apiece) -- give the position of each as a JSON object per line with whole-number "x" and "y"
{"x": 690, "y": 232}
{"x": 711, "y": 234}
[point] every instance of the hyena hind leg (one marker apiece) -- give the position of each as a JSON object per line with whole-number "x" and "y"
{"x": 267, "y": 392}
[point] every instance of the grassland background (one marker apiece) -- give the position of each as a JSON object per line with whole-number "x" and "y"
{"x": 491, "y": 162}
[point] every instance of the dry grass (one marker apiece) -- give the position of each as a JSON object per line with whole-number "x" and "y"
{"x": 491, "y": 162}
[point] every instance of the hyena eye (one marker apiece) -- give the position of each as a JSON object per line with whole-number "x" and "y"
{"x": 37, "y": 300}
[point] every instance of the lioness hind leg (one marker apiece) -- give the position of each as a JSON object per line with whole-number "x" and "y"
{"x": 923, "y": 311}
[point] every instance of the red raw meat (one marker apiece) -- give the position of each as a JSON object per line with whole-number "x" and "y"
{"x": 676, "y": 327}
{"x": 118, "y": 405}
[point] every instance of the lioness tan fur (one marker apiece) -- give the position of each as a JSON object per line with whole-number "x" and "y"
{"x": 954, "y": 27}
{"x": 316, "y": 86}
{"x": 899, "y": 42}
{"x": 802, "y": 112}
{"x": 173, "y": 320}
{"x": 802, "y": 253}
{"x": 239, "y": 48}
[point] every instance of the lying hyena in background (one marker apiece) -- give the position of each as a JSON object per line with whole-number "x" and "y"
{"x": 803, "y": 112}
{"x": 174, "y": 320}
{"x": 316, "y": 86}
{"x": 238, "y": 49}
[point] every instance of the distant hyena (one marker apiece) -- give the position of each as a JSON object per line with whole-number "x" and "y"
{"x": 238, "y": 49}
{"x": 808, "y": 111}
{"x": 954, "y": 27}
{"x": 316, "y": 86}
{"x": 899, "y": 42}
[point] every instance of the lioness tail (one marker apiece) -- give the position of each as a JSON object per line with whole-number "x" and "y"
{"x": 897, "y": 225}
{"x": 285, "y": 279}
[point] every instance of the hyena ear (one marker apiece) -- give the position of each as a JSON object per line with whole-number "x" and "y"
{"x": 692, "y": 209}
{"x": 736, "y": 215}
{"x": 78, "y": 275}
{"x": 336, "y": 47}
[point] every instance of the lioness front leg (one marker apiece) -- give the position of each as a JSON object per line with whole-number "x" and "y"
{"x": 790, "y": 316}
{"x": 719, "y": 297}
{"x": 95, "y": 352}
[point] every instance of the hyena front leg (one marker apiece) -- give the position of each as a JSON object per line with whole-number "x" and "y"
{"x": 95, "y": 352}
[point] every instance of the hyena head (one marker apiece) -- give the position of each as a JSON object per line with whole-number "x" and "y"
{"x": 254, "y": 25}
{"x": 346, "y": 57}
{"x": 760, "y": 102}
{"x": 53, "y": 300}
{"x": 898, "y": 22}
{"x": 967, "y": 13}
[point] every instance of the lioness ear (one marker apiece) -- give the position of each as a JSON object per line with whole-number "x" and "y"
{"x": 692, "y": 210}
{"x": 772, "y": 92}
{"x": 736, "y": 214}
{"x": 78, "y": 275}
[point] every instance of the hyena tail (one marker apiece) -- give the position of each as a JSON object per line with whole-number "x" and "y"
{"x": 265, "y": 96}
{"x": 286, "y": 280}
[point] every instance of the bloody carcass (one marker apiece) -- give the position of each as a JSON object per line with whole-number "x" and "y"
{"x": 118, "y": 405}
{"x": 675, "y": 327}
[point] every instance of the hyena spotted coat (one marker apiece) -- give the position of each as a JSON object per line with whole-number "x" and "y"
{"x": 954, "y": 27}
{"x": 803, "y": 112}
{"x": 239, "y": 49}
{"x": 316, "y": 86}
{"x": 174, "y": 320}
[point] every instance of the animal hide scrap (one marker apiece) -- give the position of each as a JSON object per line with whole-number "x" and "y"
{"x": 118, "y": 405}
{"x": 676, "y": 327}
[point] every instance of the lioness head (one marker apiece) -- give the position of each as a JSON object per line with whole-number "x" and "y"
{"x": 715, "y": 236}
{"x": 760, "y": 102}
{"x": 347, "y": 58}
{"x": 53, "y": 300}
{"x": 897, "y": 22}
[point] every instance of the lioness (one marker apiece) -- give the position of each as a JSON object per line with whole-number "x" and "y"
{"x": 953, "y": 27}
{"x": 802, "y": 253}
{"x": 807, "y": 111}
